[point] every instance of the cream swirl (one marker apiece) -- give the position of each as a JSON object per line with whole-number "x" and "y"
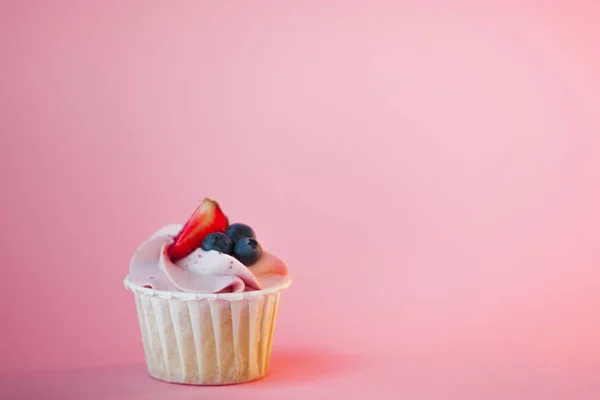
{"x": 201, "y": 271}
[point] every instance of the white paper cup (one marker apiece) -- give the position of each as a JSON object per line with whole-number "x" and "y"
{"x": 207, "y": 339}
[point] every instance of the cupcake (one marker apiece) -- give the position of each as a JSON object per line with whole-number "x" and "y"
{"x": 207, "y": 297}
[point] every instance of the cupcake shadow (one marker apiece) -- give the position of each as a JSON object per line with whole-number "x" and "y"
{"x": 309, "y": 365}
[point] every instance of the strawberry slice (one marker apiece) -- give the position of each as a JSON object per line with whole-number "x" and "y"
{"x": 206, "y": 219}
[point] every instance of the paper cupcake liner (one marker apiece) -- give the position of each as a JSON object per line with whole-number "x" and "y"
{"x": 207, "y": 339}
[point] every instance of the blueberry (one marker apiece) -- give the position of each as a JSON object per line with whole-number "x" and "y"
{"x": 218, "y": 241}
{"x": 247, "y": 251}
{"x": 239, "y": 231}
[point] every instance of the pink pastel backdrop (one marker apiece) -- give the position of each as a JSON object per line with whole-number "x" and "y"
{"x": 429, "y": 169}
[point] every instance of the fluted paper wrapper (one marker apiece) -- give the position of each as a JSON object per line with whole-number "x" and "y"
{"x": 213, "y": 339}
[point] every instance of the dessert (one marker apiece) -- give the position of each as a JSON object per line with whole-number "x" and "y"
{"x": 207, "y": 295}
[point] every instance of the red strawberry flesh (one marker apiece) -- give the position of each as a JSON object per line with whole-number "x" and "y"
{"x": 206, "y": 219}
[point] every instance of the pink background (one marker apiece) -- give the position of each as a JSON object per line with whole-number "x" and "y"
{"x": 430, "y": 172}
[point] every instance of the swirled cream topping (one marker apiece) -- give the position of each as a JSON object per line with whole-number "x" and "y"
{"x": 200, "y": 271}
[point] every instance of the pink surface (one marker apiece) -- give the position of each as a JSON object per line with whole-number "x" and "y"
{"x": 298, "y": 374}
{"x": 429, "y": 171}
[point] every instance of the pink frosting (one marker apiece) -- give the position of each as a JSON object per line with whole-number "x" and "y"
{"x": 201, "y": 271}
